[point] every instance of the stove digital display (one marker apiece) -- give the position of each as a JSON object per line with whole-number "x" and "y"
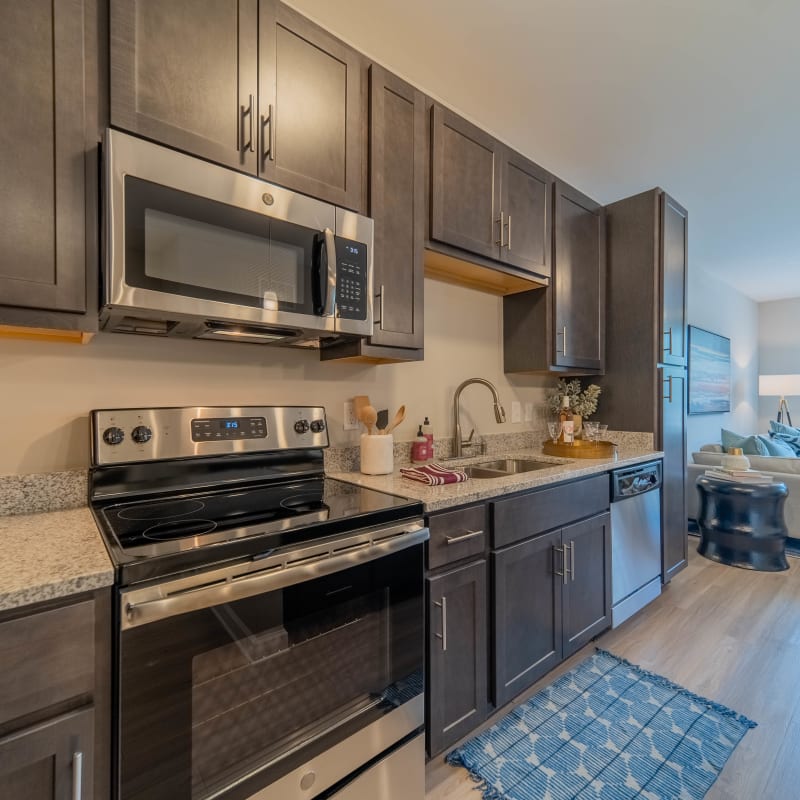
{"x": 216, "y": 429}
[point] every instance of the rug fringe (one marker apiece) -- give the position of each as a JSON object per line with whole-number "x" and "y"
{"x": 660, "y": 680}
{"x": 487, "y": 792}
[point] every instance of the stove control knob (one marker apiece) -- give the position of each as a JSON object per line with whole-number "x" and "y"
{"x": 317, "y": 426}
{"x": 141, "y": 434}
{"x": 113, "y": 435}
{"x": 301, "y": 426}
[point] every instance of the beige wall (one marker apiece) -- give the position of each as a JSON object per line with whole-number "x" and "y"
{"x": 47, "y": 390}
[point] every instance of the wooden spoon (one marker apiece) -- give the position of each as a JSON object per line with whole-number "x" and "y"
{"x": 398, "y": 418}
{"x": 369, "y": 416}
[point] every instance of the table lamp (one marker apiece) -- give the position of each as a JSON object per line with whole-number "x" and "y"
{"x": 780, "y": 386}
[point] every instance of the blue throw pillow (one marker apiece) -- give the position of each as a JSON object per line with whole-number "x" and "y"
{"x": 786, "y": 434}
{"x": 777, "y": 447}
{"x": 751, "y": 445}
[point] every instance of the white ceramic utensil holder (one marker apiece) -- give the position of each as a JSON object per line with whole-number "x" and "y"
{"x": 377, "y": 454}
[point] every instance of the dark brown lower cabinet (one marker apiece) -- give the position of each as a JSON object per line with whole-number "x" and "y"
{"x": 50, "y": 761}
{"x": 527, "y": 614}
{"x": 587, "y": 586}
{"x": 456, "y": 692}
{"x": 552, "y": 594}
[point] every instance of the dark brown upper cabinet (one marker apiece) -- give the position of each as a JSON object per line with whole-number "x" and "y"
{"x": 248, "y": 84}
{"x": 579, "y": 280}
{"x": 486, "y": 199}
{"x": 397, "y": 155}
{"x": 48, "y": 160}
{"x": 673, "y": 269}
{"x": 310, "y": 108}
{"x": 562, "y": 329}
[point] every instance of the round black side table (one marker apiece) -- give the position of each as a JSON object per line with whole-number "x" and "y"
{"x": 741, "y": 524}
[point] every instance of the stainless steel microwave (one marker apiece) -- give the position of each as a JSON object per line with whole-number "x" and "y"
{"x": 197, "y": 250}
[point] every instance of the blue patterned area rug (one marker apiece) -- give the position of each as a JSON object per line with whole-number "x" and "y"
{"x": 606, "y": 730}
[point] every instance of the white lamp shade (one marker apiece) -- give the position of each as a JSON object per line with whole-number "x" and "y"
{"x": 779, "y": 385}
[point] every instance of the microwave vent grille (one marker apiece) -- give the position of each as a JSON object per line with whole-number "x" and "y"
{"x": 149, "y": 327}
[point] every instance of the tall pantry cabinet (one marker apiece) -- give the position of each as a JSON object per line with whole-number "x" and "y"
{"x": 644, "y": 388}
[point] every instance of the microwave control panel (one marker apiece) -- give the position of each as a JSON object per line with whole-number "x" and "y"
{"x": 351, "y": 279}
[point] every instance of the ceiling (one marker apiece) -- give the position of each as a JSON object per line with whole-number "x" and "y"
{"x": 699, "y": 97}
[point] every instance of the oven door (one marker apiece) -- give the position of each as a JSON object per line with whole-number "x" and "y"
{"x": 191, "y": 239}
{"x": 275, "y": 679}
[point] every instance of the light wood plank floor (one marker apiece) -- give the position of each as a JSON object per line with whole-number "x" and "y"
{"x": 729, "y": 634}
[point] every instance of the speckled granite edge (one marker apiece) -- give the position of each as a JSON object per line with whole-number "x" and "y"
{"x": 51, "y": 555}
{"x": 42, "y": 492}
{"x": 437, "y": 498}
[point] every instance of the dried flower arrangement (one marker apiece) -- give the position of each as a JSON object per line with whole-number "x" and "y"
{"x": 582, "y": 401}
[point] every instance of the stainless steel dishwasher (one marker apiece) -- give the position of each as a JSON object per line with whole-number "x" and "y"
{"x": 635, "y": 539}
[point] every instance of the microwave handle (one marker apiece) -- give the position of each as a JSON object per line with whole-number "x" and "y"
{"x": 324, "y": 274}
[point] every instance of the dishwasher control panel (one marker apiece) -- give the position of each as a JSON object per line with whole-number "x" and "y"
{"x": 635, "y": 480}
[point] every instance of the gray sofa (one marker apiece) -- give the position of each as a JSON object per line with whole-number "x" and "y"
{"x": 783, "y": 470}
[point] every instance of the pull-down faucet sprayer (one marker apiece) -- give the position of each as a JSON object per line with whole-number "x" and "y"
{"x": 499, "y": 412}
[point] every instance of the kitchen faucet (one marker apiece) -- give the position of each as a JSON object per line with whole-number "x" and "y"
{"x": 499, "y": 413}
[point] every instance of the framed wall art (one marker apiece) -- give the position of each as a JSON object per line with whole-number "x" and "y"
{"x": 709, "y": 372}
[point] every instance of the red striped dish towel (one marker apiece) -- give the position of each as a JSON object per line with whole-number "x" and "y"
{"x": 434, "y": 474}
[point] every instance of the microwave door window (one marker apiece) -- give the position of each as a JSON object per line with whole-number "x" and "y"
{"x": 188, "y": 246}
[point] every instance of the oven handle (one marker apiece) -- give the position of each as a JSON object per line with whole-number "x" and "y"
{"x": 214, "y": 591}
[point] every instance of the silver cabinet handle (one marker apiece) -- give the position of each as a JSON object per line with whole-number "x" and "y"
{"x": 571, "y": 569}
{"x": 668, "y": 396}
{"x": 668, "y": 349}
{"x": 563, "y": 573}
{"x": 508, "y": 225}
{"x": 246, "y": 111}
{"x": 463, "y": 537}
{"x": 563, "y": 336}
{"x": 443, "y": 634}
{"x": 380, "y": 306}
{"x": 267, "y": 141}
{"x": 77, "y": 775}
{"x": 501, "y": 222}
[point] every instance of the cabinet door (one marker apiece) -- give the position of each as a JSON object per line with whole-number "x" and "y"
{"x": 527, "y": 202}
{"x": 52, "y": 761}
{"x": 43, "y": 203}
{"x": 527, "y": 581}
{"x": 672, "y": 440}
{"x": 465, "y": 185}
{"x": 587, "y": 591}
{"x": 184, "y": 73}
{"x": 456, "y": 693}
{"x": 578, "y": 284}
{"x": 673, "y": 268}
{"x": 397, "y": 204}
{"x": 310, "y": 108}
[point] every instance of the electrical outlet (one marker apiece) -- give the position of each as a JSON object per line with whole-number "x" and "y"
{"x": 516, "y": 411}
{"x": 528, "y": 412}
{"x": 350, "y": 423}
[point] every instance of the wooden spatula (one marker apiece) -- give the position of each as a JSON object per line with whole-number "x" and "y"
{"x": 398, "y": 418}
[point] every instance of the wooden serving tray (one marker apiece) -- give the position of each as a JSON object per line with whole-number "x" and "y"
{"x": 581, "y": 448}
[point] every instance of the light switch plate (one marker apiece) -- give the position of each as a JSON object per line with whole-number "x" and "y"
{"x": 528, "y": 412}
{"x": 516, "y": 411}
{"x": 350, "y": 422}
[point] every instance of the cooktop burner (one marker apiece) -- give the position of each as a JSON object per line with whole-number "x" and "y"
{"x": 161, "y": 510}
{"x": 177, "y": 529}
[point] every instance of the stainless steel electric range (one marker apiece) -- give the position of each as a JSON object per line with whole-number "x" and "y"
{"x": 268, "y": 620}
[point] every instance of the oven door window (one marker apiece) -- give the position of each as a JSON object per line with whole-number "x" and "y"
{"x": 189, "y": 246}
{"x": 224, "y": 701}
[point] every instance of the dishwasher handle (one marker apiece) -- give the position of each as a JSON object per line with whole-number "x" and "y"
{"x": 635, "y": 480}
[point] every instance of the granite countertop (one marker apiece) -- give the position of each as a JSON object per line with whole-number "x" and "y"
{"x": 436, "y": 498}
{"x": 49, "y": 555}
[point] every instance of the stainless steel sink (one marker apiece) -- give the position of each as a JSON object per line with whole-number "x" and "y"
{"x": 505, "y": 466}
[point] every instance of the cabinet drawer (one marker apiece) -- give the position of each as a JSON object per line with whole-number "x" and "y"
{"x": 456, "y": 534}
{"x": 545, "y": 509}
{"x": 46, "y": 658}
